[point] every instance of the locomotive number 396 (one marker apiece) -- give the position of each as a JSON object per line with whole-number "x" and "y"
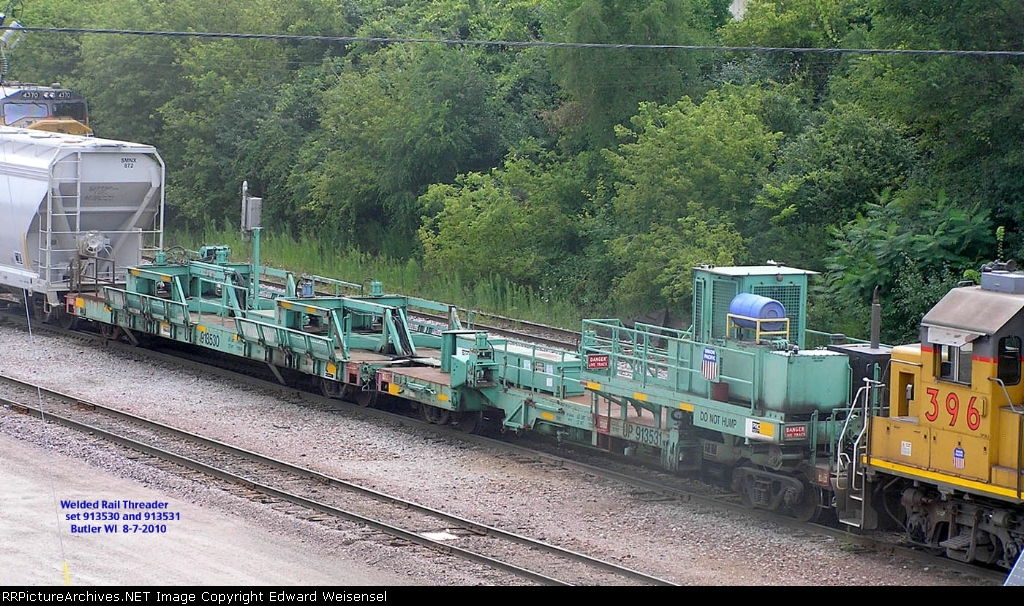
{"x": 972, "y": 415}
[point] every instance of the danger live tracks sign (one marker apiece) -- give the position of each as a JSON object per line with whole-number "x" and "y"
{"x": 597, "y": 361}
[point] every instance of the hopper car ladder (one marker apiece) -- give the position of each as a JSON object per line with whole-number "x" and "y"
{"x": 63, "y": 216}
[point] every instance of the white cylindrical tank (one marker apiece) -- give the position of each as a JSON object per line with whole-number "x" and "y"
{"x": 76, "y": 210}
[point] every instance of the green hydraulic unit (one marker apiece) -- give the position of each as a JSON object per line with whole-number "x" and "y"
{"x": 744, "y": 376}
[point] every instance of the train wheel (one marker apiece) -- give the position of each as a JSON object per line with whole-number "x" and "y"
{"x": 331, "y": 388}
{"x": 745, "y": 499}
{"x": 67, "y": 321}
{"x": 743, "y": 484}
{"x": 435, "y": 415}
{"x": 468, "y": 421}
{"x": 366, "y": 399}
{"x": 809, "y": 507}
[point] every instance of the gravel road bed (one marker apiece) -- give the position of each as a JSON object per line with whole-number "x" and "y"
{"x": 685, "y": 543}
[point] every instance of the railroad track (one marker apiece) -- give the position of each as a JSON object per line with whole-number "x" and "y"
{"x": 648, "y": 484}
{"x": 317, "y": 497}
{"x": 561, "y": 339}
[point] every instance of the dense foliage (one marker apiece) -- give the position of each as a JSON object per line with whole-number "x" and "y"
{"x": 592, "y": 176}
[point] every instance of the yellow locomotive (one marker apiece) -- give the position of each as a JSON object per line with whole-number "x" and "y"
{"x": 50, "y": 108}
{"x": 950, "y": 448}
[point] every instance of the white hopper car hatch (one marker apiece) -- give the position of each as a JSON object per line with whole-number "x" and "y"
{"x": 76, "y": 211}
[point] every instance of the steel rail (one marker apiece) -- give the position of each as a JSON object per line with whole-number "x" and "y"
{"x": 295, "y": 470}
{"x": 542, "y": 334}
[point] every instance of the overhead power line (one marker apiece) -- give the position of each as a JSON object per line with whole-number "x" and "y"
{"x": 526, "y": 44}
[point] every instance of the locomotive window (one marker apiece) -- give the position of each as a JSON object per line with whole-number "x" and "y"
{"x": 955, "y": 363}
{"x": 19, "y": 111}
{"x": 75, "y": 110}
{"x": 1008, "y": 366}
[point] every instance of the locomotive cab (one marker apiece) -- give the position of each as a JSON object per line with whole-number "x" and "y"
{"x": 953, "y": 433}
{"x": 48, "y": 108}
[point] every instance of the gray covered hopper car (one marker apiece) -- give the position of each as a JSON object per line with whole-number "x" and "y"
{"x": 76, "y": 212}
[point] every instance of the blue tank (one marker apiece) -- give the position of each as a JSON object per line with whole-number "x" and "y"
{"x": 756, "y": 306}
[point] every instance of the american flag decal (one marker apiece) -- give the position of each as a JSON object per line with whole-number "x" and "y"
{"x": 958, "y": 458}
{"x": 709, "y": 364}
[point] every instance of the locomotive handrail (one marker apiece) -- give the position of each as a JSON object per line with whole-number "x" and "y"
{"x": 852, "y": 482}
{"x": 1020, "y": 452}
{"x": 856, "y": 399}
{"x": 1005, "y": 393}
{"x": 868, "y": 385}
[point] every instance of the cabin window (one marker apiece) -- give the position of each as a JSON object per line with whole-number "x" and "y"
{"x": 1008, "y": 366}
{"x": 19, "y": 111}
{"x": 955, "y": 362}
{"x": 76, "y": 111}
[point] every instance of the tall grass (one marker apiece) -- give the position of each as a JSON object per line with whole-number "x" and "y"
{"x": 308, "y": 255}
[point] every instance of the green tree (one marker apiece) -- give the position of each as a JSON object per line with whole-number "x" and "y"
{"x": 274, "y": 169}
{"x": 479, "y": 215}
{"x": 902, "y": 241}
{"x": 525, "y": 217}
{"x": 447, "y": 123}
{"x": 716, "y": 153}
{"x": 389, "y": 128}
{"x": 824, "y": 178}
{"x": 238, "y": 107}
{"x": 42, "y": 57}
{"x": 963, "y": 111}
{"x": 209, "y": 129}
{"x": 915, "y": 290}
{"x": 654, "y": 268}
{"x": 790, "y": 24}
{"x": 604, "y": 87}
{"x": 336, "y": 176}
{"x": 685, "y": 179}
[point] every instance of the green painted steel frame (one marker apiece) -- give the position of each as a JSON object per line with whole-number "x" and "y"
{"x": 647, "y": 367}
{"x": 656, "y": 368}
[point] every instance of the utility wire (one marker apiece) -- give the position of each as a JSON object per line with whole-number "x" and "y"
{"x": 526, "y": 44}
